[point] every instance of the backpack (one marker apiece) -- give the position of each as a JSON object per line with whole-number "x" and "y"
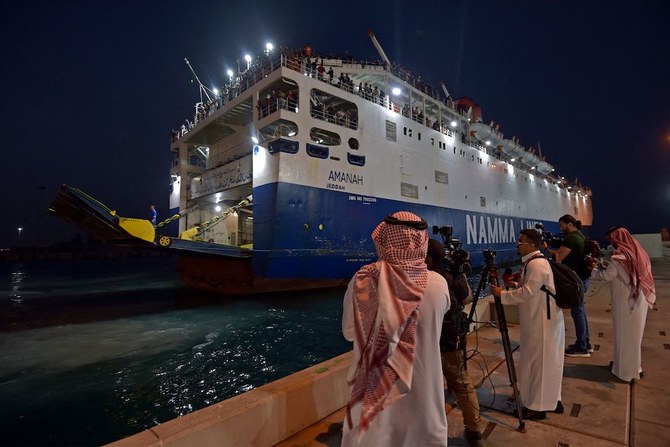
{"x": 569, "y": 287}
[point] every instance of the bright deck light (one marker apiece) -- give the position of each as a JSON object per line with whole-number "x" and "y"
{"x": 395, "y": 91}
{"x": 454, "y": 124}
{"x": 269, "y": 46}
{"x": 217, "y": 208}
{"x": 255, "y": 140}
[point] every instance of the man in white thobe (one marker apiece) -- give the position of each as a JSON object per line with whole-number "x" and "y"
{"x": 542, "y": 339}
{"x": 393, "y": 312}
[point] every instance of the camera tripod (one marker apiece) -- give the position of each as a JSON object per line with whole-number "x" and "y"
{"x": 490, "y": 274}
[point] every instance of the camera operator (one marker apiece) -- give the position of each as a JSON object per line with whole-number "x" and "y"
{"x": 571, "y": 253}
{"x": 454, "y": 329}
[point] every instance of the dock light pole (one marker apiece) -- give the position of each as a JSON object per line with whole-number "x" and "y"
{"x": 20, "y": 230}
{"x": 248, "y": 59}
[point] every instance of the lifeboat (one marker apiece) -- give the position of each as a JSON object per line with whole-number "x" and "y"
{"x": 485, "y": 132}
{"x": 512, "y": 148}
{"x": 530, "y": 158}
{"x": 545, "y": 167}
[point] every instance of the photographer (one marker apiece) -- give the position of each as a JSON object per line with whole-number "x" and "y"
{"x": 542, "y": 339}
{"x": 571, "y": 253}
{"x": 454, "y": 329}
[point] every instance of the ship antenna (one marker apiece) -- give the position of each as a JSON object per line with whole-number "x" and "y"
{"x": 379, "y": 48}
{"x": 203, "y": 89}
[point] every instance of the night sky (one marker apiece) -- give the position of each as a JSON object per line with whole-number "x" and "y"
{"x": 91, "y": 89}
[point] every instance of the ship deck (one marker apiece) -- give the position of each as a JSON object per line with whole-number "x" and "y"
{"x": 600, "y": 409}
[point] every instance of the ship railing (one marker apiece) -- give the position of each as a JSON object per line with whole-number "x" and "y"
{"x": 271, "y": 106}
{"x": 340, "y": 118}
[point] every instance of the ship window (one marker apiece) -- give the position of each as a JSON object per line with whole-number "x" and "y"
{"x": 317, "y": 151}
{"x": 442, "y": 177}
{"x": 357, "y": 160}
{"x": 390, "y": 131}
{"x": 353, "y": 143}
{"x": 482, "y": 201}
{"x": 283, "y": 145}
{"x": 404, "y": 130}
{"x": 454, "y": 150}
{"x": 419, "y": 136}
{"x": 324, "y": 137}
{"x": 409, "y": 190}
{"x": 410, "y": 133}
{"x": 432, "y": 141}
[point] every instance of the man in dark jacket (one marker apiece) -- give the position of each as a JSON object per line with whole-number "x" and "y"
{"x": 453, "y": 362}
{"x": 571, "y": 253}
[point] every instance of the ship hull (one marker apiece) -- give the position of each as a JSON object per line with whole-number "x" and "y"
{"x": 322, "y": 243}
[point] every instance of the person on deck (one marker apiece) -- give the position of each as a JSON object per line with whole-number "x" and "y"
{"x": 542, "y": 339}
{"x": 393, "y": 311}
{"x": 633, "y": 293}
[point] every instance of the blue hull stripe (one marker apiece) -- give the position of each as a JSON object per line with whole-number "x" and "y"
{"x": 305, "y": 232}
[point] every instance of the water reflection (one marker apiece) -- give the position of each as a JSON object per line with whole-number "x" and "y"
{"x": 17, "y": 277}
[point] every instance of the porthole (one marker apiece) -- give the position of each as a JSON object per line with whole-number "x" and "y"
{"x": 353, "y": 143}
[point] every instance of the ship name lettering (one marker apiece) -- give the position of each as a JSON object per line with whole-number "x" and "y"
{"x": 345, "y": 177}
{"x": 489, "y": 230}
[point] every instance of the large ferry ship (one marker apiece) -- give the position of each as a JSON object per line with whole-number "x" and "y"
{"x": 282, "y": 174}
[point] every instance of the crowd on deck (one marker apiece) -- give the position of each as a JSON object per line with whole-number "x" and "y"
{"x": 277, "y": 99}
{"x": 306, "y": 61}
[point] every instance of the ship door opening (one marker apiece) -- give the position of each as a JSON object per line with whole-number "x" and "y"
{"x": 218, "y": 218}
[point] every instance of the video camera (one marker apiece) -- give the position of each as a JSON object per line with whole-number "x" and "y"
{"x": 489, "y": 257}
{"x": 457, "y": 258}
{"x": 552, "y": 240}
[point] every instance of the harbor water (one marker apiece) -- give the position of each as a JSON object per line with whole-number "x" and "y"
{"x": 94, "y": 350}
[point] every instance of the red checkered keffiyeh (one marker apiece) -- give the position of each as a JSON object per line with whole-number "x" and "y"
{"x": 386, "y": 299}
{"x": 636, "y": 261}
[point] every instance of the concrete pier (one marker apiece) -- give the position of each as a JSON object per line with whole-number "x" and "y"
{"x": 306, "y": 408}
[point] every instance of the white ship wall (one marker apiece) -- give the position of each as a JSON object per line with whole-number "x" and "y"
{"x": 472, "y": 173}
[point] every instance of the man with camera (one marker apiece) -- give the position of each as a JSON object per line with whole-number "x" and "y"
{"x": 571, "y": 253}
{"x": 542, "y": 339}
{"x": 454, "y": 330}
